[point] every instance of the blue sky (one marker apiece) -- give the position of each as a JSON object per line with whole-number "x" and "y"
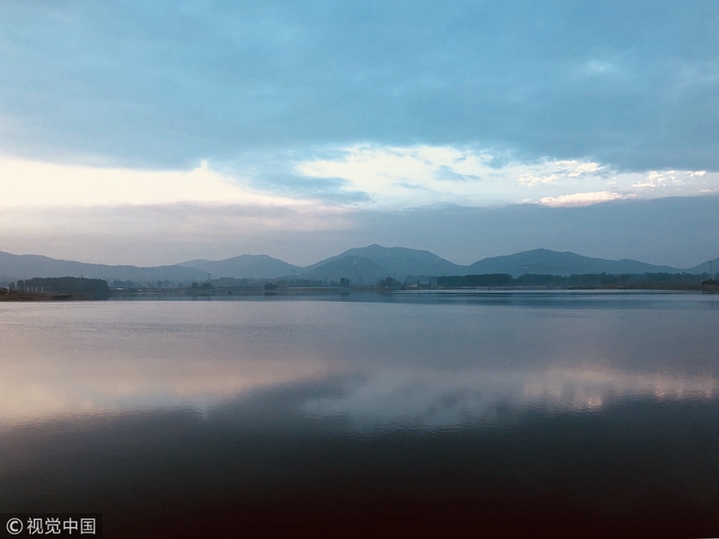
{"x": 316, "y": 117}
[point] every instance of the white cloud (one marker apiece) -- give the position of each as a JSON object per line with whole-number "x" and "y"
{"x": 423, "y": 175}
{"x": 391, "y": 176}
{"x": 549, "y": 172}
{"x": 36, "y": 184}
{"x": 597, "y": 68}
{"x": 580, "y": 199}
{"x": 418, "y": 175}
{"x": 697, "y": 181}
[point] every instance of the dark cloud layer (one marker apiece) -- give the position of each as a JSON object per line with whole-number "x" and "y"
{"x": 634, "y": 84}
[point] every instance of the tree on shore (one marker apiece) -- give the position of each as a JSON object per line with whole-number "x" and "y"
{"x": 75, "y": 286}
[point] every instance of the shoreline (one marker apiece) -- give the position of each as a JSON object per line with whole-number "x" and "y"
{"x": 37, "y": 296}
{"x": 294, "y": 292}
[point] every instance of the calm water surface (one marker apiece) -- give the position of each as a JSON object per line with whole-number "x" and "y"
{"x": 565, "y": 414}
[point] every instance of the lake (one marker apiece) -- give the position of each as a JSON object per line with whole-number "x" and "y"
{"x": 563, "y": 414}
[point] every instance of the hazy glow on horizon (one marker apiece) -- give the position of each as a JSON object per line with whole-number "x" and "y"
{"x": 34, "y": 184}
{"x": 39, "y": 390}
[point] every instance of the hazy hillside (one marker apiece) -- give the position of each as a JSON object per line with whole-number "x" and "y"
{"x": 363, "y": 265}
{"x": 398, "y": 262}
{"x": 358, "y": 269}
{"x": 546, "y": 262}
{"x": 704, "y": 267}
{"x": 244, "y": 267}
{"x": 28, "y": 266}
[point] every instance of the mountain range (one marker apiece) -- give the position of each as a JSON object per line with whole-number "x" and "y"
{"x": 363, "y": 265}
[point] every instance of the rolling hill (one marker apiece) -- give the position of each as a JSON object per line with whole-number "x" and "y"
{"x": 244, "y": 267}
{"x": 13, "y": 267}
{"x": 397, "y": 262}
{"x": 546, "y": 262}
{"x": 363, "y": 265}
{"x": 358, "y": 269}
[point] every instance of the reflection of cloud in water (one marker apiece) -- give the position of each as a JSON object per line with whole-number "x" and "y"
{"x": 587, "y": 389}
{"x": 445, "y": 399}
{"x": 42, "y": 390}
{"x": 404, "y": 364}
{"x": 418, "y": 397}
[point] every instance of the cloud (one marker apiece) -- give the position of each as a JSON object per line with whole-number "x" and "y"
{"x": 165, "y": 85}
{"x": 36, "y": 184}
{"x": 411, "y": 176}
{"x": 599, "y": 67}
{"x": 327, "y": 189}
{"x": 662, "y": 180}
{"x": 400, "y": 173}
{"x": 580, "y": 199}
{"x": 418, "y": 175}
{"x": 363, "y": 176}
{"x": 550, "y": 172}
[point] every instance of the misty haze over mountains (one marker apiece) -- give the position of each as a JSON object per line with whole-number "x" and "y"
{"x": 365, "y": 265}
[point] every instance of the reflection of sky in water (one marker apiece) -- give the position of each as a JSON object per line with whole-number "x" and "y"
{"x": 432, "y": 361}
{"x": 440, "y": 399}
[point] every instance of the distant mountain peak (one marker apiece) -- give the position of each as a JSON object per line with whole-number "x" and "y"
{"x": 244, "y": 267}
{"x": 360, "y": 264}
{"x": 548, "y": 262}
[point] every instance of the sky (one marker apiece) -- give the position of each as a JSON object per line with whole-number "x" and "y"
{"x": 155, "y": 132}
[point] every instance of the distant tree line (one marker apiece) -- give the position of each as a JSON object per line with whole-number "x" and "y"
{"x": 487, "y": 279}
{"x": 590, "y": 279}
{"x": 132, "y": 285}
{"x": 389, "y": 282}
{"x": 302, "y": 282}
{"x": 203, "y": 286}
{"x": 78, "y": 287}
{"x": 118, "y": 284}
